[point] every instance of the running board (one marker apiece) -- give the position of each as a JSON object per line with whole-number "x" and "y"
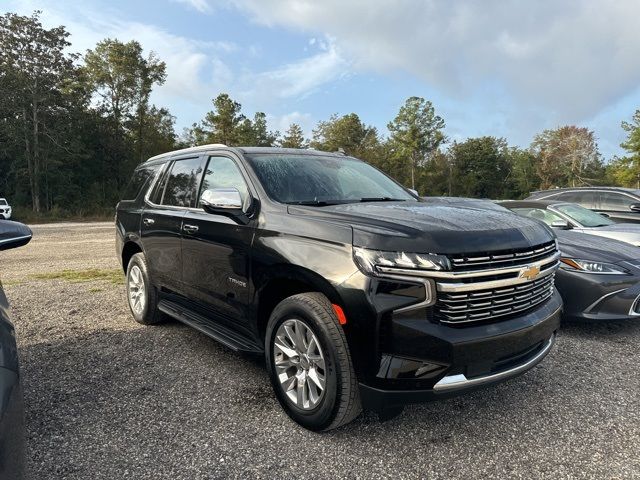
{"x": 226, "y": 336}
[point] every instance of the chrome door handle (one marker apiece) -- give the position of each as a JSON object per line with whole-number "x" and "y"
{"x": 148, "y": 221}
{"x": 190, "y": 228}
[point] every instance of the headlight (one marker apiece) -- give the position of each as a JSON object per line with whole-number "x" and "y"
{"x": 375, "y": 261}
{"x": 588, "y": 266}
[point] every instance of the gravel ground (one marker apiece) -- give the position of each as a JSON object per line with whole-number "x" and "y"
{"x": 107, "y": 398}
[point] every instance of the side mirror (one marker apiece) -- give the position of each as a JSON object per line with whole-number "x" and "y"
{"x": 13, "y": 235}
{"x": 605, "y": 215}
{"x": 635, "y": 207}
{"x": 561, "y": 224}
{"x": 415, "y": 192}
{"x": 221, "y": 199}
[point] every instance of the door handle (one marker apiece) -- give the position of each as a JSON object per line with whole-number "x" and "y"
{"x": 148, "y": 221}
{"x": 190, "y": 228}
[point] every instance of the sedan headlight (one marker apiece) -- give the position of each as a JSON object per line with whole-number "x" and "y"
{"x": 589, "y": 266}
{"x": 374, "y": 262}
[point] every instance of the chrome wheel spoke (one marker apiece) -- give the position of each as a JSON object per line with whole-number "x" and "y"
{"x": 299, "y": 364}
{"x": 137, "y": 291}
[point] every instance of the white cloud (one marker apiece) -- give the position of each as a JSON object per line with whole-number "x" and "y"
{"x": 571, "y": 58}
{"x": 282, "y": 122}
{"x": 298, "y": 79}
{"x": 201, "y": 6}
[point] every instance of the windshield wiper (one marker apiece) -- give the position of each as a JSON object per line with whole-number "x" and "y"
{"x": 316, "y": 203}
{"x": 381, "y": 199}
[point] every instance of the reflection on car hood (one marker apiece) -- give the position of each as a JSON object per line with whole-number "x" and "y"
{"x": 592, "y": 247}
{"x": 433, "y": 227}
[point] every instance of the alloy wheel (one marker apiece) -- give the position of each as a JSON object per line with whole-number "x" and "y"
{"x": 299, "y": 364}
{"x": 137, "y": 290}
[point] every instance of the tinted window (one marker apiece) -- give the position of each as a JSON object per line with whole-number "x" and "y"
{"x": 182, "y": 183}
{"x": 314, "y": 178}
{"x": 222, "y": 172}
{"x": 582, "y": 216}
{"x": 586, "y": 199}
{"x": 140, "y": 178}
{"x": 615, "y": 201}
{"x": 3, "y": 202}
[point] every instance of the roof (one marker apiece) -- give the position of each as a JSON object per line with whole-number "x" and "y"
{"x": 543, "y": 204}
{"x": 249, "y": 150}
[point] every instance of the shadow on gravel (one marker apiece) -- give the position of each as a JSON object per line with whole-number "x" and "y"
{"x": 168, "y": 402}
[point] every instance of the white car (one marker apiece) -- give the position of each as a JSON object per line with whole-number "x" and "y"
{"x": 5, "y": 209}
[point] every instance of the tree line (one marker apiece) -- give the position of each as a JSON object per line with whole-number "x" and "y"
{"x": 73, "y": 127}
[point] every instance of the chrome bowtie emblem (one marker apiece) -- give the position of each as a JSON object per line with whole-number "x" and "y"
{"x": 530, "y": 272}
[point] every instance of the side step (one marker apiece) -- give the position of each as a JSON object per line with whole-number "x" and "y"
{"x": 229, "y": 338}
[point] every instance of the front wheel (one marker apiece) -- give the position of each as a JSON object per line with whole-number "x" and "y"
{"x": 309, "y": 363}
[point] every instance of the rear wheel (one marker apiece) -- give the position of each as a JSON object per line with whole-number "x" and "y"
{"x": 309, "y": 363}
{"x": 141, "y": 294}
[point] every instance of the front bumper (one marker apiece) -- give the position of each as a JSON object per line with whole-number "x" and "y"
{"x": 596, "y": 298}
{"x": 429, "y": 361}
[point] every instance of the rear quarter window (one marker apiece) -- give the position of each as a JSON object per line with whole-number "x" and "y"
{"x": 141, "y": 178}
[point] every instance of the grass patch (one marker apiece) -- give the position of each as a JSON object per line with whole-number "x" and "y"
{"x": 11, "y": 283}
{"x": 95, "y": 290}
{"x": 78, "y": 276}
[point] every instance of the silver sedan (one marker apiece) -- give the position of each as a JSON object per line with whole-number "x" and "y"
{"x": 569, "y": 216}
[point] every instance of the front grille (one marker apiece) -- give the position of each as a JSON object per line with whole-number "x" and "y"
{"x": 478, "y": 305}
{"x": 504, "y": 258}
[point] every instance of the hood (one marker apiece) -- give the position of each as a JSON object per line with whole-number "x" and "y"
{"x": 433, "y": 226}
{"x": 585, "y": 246}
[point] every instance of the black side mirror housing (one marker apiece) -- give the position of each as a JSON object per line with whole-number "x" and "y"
{"x": 13, "y": 235}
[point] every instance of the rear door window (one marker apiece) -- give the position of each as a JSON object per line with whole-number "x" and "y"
{"x": 615, "y": 201}
{"x": 182, "y": 183}
{"x": 139, "y": 180}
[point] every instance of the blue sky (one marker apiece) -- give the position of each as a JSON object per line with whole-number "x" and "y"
{"x": 492, "y": 67}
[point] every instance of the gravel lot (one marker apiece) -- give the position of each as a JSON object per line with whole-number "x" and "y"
{"x": 107, "y": 398}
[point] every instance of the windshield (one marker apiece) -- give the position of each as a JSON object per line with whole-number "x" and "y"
{"x": 583, "y": 216}
{"x": 323, "y": 179}
{"x": 3, "y": 201}
{"x": 546, "y": 216}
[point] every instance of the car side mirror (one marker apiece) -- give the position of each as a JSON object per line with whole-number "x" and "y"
{"x": 635, "y": 207}
{"x": 605, "y": 215}
{"x": 561, "y": 224}
{"x": 224, "y": 201}
{"x": 415, "y": 192}
{"x": 13, "y": 235}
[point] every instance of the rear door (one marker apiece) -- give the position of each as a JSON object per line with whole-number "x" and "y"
{"x": 161, "y": 225}
{"x": 215, "y": 248}
{"x": 617, "y": 206}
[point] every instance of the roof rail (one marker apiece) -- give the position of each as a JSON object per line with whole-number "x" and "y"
{"x": 188, "y": 150}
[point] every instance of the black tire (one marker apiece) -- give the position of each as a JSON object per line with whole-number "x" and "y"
{"x": 340, "y": 403}
{"x": 149, "y": 314}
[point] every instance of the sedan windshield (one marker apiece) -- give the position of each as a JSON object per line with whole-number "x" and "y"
{"x": 547, "y": 216}
{"x": 324, "y": 180}
{"x": 583, "y": 216}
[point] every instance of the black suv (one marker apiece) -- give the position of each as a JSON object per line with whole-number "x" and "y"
{"x": 620, "y": 204}
{"x": 358, "y": 293}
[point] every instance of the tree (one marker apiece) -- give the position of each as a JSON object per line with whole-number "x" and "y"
{"x": 348, "y": 133}
{"x": 567, "y": 156}
{"x": 37, "y": 94}
{"x": 122, "y": 77}
{"x": 222, "y": 124}
{"x": 524, "y": 175}
{"x": 294, "y": 137}
{"x": 626, "y": 170}
{"x": 416, "y": 132}
{"x": 480, "y": 167}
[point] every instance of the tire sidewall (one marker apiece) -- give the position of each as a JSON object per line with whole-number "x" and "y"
{"x": 320, "y": 416}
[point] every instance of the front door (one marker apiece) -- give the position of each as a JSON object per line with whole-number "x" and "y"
{"x": 215, "y": 248}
